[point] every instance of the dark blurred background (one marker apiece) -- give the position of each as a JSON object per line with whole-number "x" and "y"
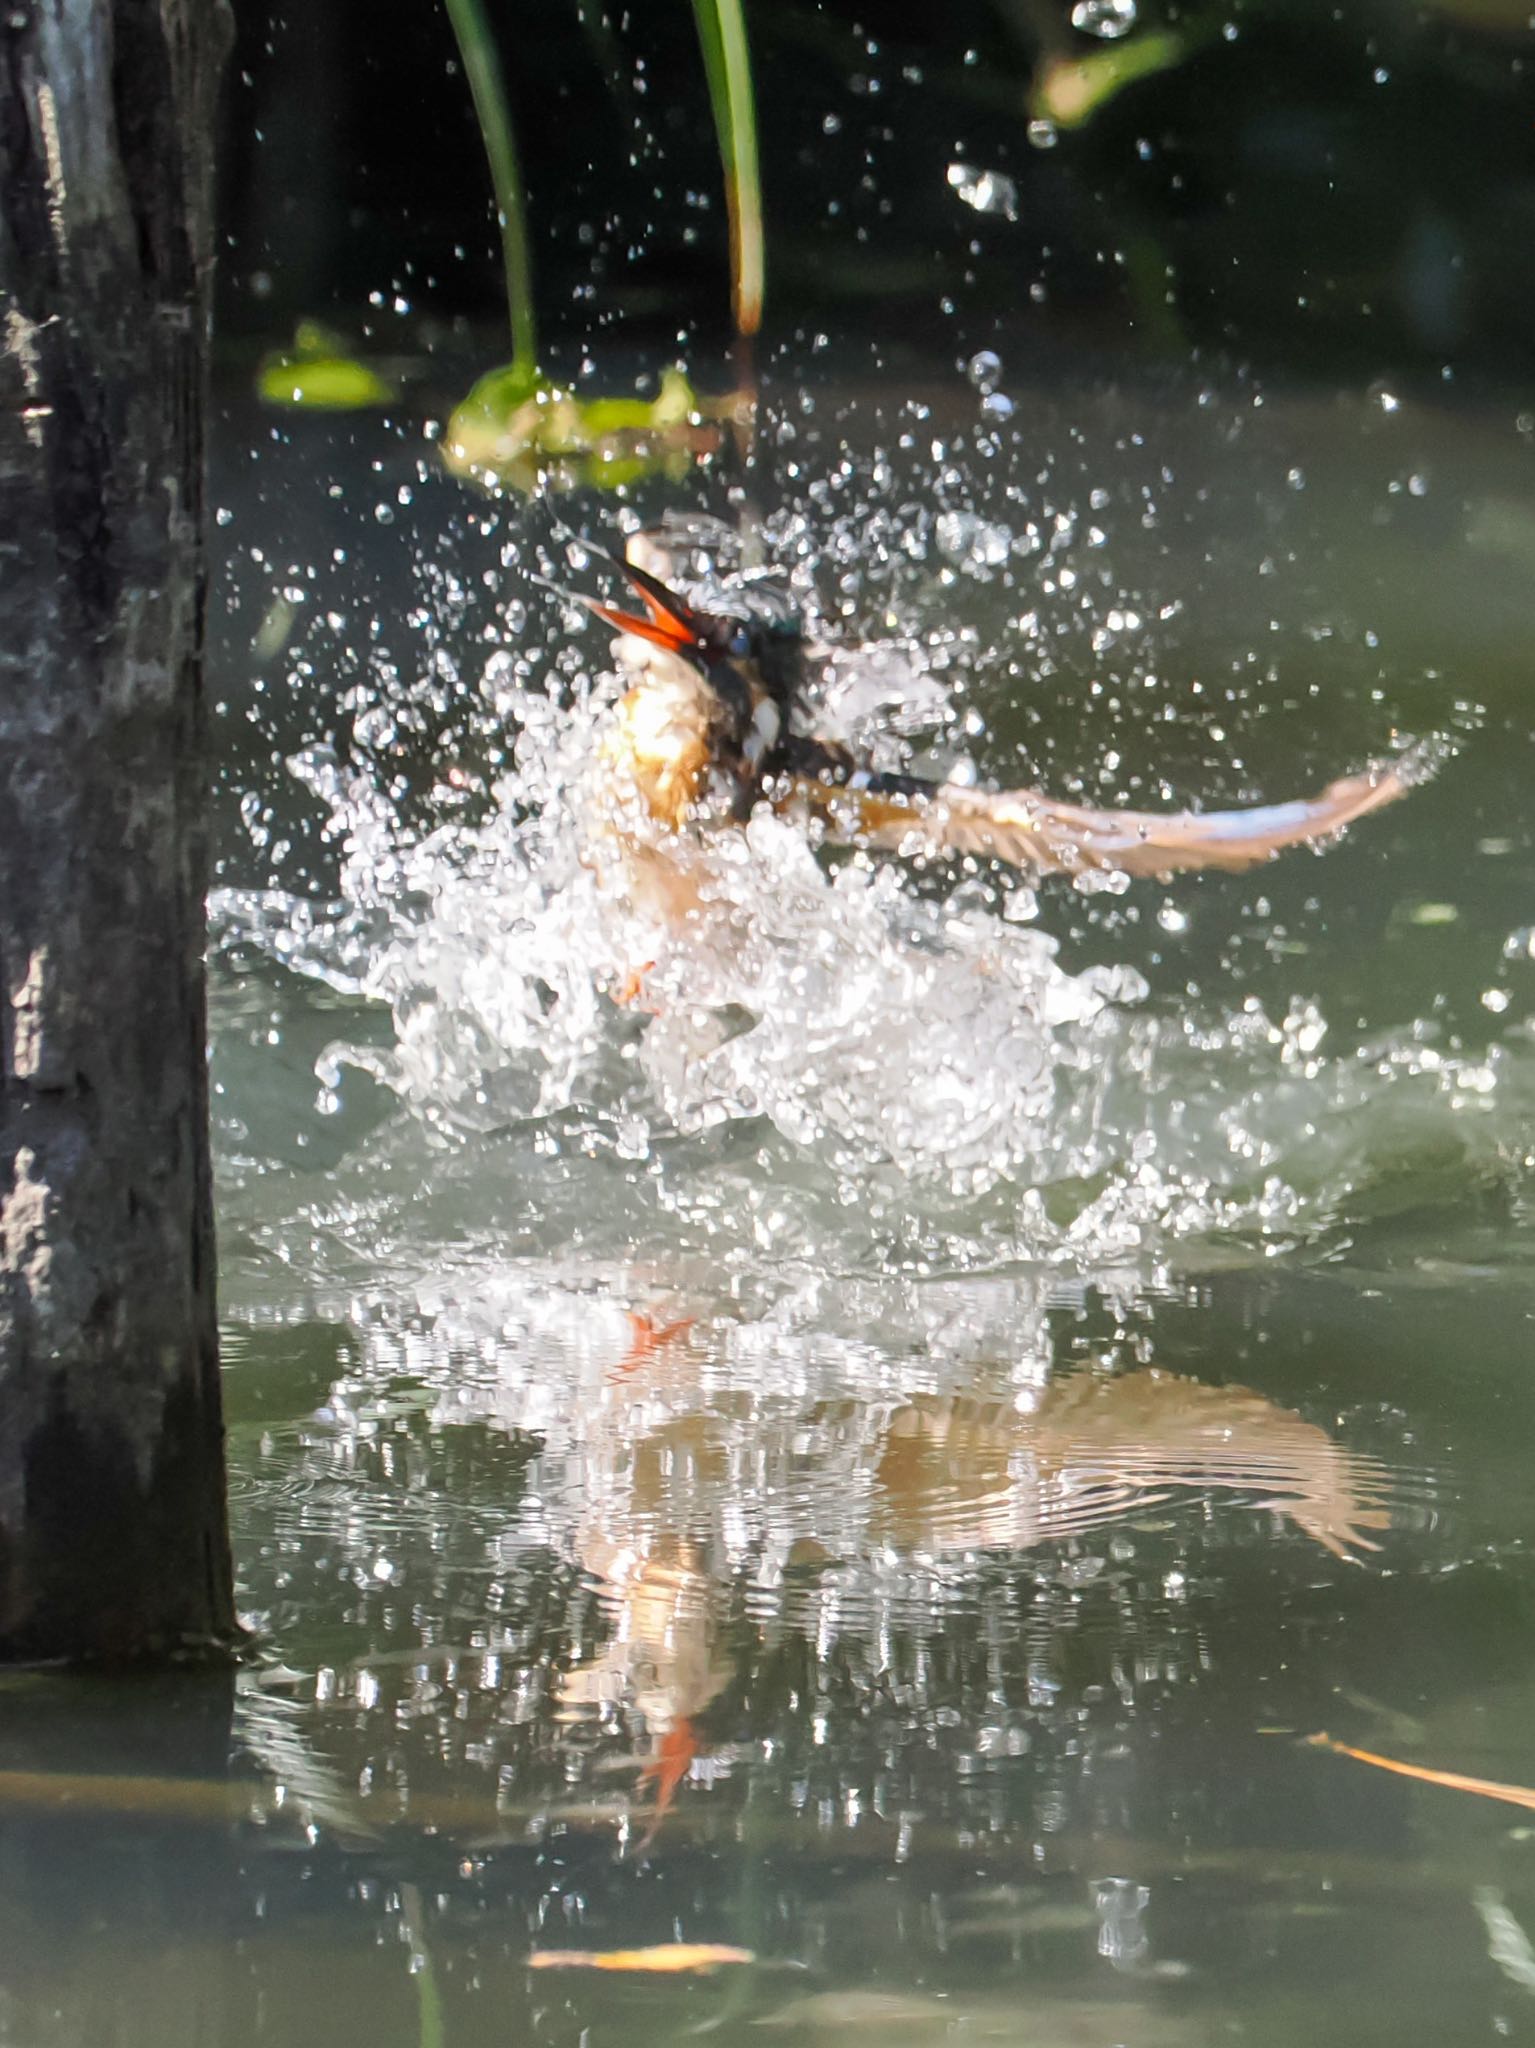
{"x": 1296, "y": 185}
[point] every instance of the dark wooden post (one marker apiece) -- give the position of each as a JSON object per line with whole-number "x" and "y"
{"x": 113, "y": 1538}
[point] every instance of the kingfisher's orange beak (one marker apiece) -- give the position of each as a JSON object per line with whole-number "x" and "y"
{"x": 667, "y": 622}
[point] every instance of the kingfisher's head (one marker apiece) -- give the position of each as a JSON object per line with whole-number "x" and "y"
{"x": 754, "y": 668}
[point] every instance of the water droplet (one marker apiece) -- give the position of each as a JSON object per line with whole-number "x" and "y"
{"x": 1101, "y": 882}
{"x": 985, "y": 191}
{"x": 997, "y": 405}
{"x": 1043, "y": 134}
{"x": 984, "y": 370}
{"x": 1109, "y": 19}
{"x": 971, "y": 542}
{"x": 831, "y": 124}
{"x": 1383, "y": 398}
{"x": 1120, "y": 1901}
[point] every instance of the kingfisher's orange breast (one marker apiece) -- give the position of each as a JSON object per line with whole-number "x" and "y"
{"x": 660, "y": 744}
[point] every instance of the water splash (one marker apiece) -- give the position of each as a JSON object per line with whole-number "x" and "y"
{"x": 831, "y": 1051}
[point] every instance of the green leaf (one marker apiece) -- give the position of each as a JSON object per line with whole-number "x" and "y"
{"x": 482, "y": 68}
{"x": 321, "y": 382}
{"x": 1070, "y": 90}
{"x": 527, "y": 433}
{"x": 727, "y": 60}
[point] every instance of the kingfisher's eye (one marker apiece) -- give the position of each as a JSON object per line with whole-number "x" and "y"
{"x": 739, "y": 643}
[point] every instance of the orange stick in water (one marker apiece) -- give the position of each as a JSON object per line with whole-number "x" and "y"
{"x": 666, "y": 1960}
{"x": 1452, "y": 1781}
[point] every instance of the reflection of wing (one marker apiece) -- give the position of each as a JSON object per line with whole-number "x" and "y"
{"x": 1032, "y": 831}
{"x": 961, "y": 1474}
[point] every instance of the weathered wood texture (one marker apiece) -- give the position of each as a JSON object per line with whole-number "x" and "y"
{"x": 113, "y": 1538}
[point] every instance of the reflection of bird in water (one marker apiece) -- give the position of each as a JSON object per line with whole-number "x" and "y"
{"x": 665, "y": 1659}
{"x": 712, "y": 726}
{"x": 933, "y": 1476}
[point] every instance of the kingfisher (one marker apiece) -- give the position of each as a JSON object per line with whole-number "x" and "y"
{"x": 716, "y": 722}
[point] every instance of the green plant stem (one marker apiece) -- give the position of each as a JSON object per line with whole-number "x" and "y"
{"x": 482, "y": 67}
{"x": 431, "y": 2032}
{"x": 727, "y": 59}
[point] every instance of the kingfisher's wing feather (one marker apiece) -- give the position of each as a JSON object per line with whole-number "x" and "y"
{"x": 1034, "y": 832}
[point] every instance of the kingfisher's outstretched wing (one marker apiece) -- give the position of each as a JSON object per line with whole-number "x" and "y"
{"x": 1029, "y": 830}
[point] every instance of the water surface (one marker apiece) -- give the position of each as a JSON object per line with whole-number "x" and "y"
{"x": 880, "y": 1463}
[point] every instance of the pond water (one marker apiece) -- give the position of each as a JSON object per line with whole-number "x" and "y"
{"x": 876, "y": 1456}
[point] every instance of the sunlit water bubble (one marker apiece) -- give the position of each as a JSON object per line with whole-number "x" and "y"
{"x": 984, "y": 370}
{"x": 972, "y": 543}
{"x": 1106, "y": 19}
{"x": 984, "y": 191}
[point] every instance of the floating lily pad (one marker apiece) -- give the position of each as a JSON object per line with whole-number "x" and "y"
{"x": 319, "y": 376}
{"x": 516, "y": 428}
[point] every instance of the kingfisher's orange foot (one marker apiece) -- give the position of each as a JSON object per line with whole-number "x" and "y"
{"x": 666, "y": 1771}
{"x": 647, "y": 1338}
{"x": 632, "y": 987}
